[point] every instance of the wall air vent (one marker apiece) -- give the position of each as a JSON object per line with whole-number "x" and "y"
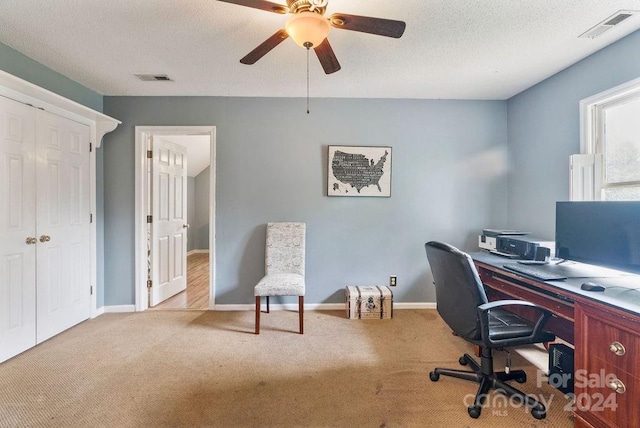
{"x": 154, "y": 77}
{"x": 608, "y": 24}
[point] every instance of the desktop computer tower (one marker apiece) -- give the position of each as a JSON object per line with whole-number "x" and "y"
{"x": 561, "y": 372}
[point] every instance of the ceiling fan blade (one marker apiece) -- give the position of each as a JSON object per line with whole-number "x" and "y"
{"x": 264, "y": 48}
{"x": 327, "y": 57}
{"x": 367, "y": 24}
{"x": 260, "y": 4}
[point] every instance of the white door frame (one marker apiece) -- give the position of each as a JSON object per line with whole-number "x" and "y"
{"x": 141, "y": 197}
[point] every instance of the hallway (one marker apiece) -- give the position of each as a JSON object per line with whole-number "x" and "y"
{"x": 196, "y": 296}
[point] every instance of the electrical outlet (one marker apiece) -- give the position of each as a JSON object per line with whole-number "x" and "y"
{"x": 392, "y": 280}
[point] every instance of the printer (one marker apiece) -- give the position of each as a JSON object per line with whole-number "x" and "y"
{"x": 516, "y": 243}
{"x": 526, "y": 247}
{"x": 489, "y": 238}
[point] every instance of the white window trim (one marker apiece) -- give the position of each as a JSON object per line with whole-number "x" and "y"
{"x": 591, "y": 139}
{"x": 589, "y": 109}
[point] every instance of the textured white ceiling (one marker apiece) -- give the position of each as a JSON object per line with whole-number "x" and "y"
{"x": 459, "y": 49}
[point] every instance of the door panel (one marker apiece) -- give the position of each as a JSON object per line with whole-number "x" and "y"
{"x": 169, "y": 207}
{"x": 17, "y": 223}
{"x": 50, "y": 261}
{"x": 63, "y": 208}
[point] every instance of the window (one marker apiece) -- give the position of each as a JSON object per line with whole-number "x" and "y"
{"x": 621, "y": 149}
{"x": 610, "y": 146}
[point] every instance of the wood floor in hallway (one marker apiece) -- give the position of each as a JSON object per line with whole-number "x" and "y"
{"x": 196, "y": 296}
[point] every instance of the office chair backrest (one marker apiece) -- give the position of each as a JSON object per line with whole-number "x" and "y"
{"x": 459, "y": 290}
{"x": 285, "y": 248}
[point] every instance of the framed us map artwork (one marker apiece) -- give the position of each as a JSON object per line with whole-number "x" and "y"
{"x": 359, "y": 171}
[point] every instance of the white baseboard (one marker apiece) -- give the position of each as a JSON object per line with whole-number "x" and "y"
{"x": 197, "y": 252}
{"x": 99, "y": 311}
{"x": 118, "y": 309}
{"x": 415, "y": 305}
{"x": 318, "y": 306}
{"x": 274, "y": 307}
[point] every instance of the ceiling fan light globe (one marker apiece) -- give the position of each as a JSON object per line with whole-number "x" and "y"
{"x": 307, "y": 27}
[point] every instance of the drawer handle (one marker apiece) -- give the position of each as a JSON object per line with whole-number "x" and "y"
{"x": 617, "y": 348}
{"x": 617, "y": 386}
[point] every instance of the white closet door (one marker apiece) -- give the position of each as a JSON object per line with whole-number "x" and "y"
{"x": 17, "y": 224}
{"x": 63, "y": 227}
{"x": 169, "y": 201}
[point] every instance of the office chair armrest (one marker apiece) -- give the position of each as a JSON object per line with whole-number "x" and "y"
{"x": 483, "y": 313}
{"x": 499, "y": 303}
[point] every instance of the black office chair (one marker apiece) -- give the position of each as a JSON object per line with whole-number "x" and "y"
{"x": 462, "y": 303}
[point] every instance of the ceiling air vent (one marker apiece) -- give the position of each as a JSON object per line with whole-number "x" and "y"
{"x": 154, "y": 77}
{"x": 608, "y": 24}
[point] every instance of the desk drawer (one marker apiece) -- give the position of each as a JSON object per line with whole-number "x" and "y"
{"x": 613, "y": 345}
{"x": 597, "y": 366}
{"x": 597, "y": 402}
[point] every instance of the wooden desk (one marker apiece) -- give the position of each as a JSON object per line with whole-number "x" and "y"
{"x": 603, "y": 327}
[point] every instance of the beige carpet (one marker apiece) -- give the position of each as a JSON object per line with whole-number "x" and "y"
{"x": 196, "y": 368}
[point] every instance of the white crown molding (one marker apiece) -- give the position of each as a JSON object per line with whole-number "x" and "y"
{"x": 26, "y": 92}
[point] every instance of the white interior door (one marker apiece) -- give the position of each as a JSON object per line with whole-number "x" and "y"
{"x": 17, "y": 224}
{"x": 63, "y": 224}
{"x": 169, "y": 226}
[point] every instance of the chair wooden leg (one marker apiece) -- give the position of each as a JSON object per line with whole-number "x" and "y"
{"x": 267, "y": 304}
{"x": 258, "y": 314}
{"x": 301, "y": 313}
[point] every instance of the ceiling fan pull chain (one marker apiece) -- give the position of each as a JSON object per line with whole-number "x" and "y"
{"x": 308, "y": 46}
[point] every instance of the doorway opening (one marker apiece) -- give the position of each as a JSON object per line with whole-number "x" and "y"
{"x": 175, "y": 217}
{"x": 196, "y": 293}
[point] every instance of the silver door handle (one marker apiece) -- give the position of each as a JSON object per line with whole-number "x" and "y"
{"x": 185, "y": 226}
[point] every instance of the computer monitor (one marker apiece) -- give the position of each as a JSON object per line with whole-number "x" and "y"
{"x": 603, "y": 233}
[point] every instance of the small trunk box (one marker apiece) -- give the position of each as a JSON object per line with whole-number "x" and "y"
{"x": 369, "y": 302}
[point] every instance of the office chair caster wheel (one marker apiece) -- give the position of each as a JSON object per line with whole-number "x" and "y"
{"x": 463, "y": 361}
{"x": 521, "y": 379}
{"x": 474, "y": 411}
{"x": 539, "y": 414}
{"x": 434, "y": 376}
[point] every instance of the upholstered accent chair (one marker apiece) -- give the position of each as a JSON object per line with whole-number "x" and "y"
{"x": 284, "y": 267}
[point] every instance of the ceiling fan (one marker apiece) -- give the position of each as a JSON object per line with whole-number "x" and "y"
{"x": 309, "y": 28}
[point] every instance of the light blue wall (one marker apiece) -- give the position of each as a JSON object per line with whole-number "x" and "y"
{"x": 191, "y": 212}
{"x": 448, "y": 183}
{"x": 19, "y": 65}
{"x": 544, "y": 130}
{"x": 449, "y": 176}
{"x": 449, "y": 173}
{"x": 201, "y": 220}
{"x": 198, "y": 210}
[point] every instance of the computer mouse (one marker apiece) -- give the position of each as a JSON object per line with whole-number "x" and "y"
{"x": 592, "y": 286}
